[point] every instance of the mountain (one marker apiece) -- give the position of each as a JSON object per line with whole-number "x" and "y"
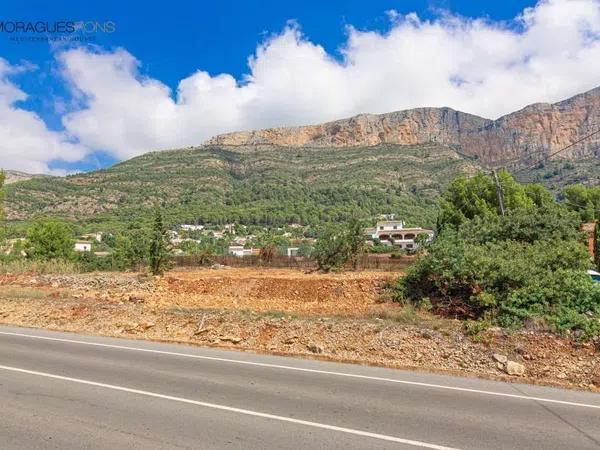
{"x": 268, "y": 185}
{"x": 369, "y": 164}
{"x": 12, "y": 176}
{"x": 525, "y": 135}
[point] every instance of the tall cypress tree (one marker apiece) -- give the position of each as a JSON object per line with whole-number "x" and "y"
{"x": 159, "y": 245}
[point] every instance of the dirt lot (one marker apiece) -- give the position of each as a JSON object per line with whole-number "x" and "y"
{"x": 341, "y": 317}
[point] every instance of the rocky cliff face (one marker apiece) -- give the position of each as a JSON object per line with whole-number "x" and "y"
{"x": 525, "y": 135}
{"x": 415, "y": 126}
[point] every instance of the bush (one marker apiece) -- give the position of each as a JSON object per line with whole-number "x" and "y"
{"x": 509, "y": 282}
{"x": 527, "y": 266}
{"x": 337, "y": 246}
{"x": 49, "y": 239}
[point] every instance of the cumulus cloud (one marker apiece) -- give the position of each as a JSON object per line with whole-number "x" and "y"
{"x": 25, "y": 141}
{"x": 549, "y": 52}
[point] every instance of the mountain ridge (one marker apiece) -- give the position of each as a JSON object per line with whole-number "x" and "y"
{"x": 539, "y": 128}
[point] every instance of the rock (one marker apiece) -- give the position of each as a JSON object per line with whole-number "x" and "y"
{"x": 232, "y": 339}
{"x": 562, "y": 376}
{"x": 315, "y": 348}
{"x": 538, "y": 126}
{"x": 514, "y": 368}
{"x": 500, "y": 358}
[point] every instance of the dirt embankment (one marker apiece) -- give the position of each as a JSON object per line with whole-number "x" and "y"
{"x": 339, "y": 317}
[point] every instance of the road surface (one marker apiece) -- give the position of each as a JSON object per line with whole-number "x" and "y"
{"x": 62, "y": 390}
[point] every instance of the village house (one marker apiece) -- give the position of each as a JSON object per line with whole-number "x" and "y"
{"x": 240, "y": 251}
{"x": 394, "y": 233}
{"x": 188, "y": 227}
{"x": 83, "y": 246}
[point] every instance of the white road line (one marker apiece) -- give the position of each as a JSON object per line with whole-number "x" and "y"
{"x": 302, "y": 369}
{"x": 247, "y": 412}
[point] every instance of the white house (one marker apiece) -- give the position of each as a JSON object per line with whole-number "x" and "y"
{"x": 188, "y": 227}
{"x": 83, "y": 246}
{"x": 292, "y": 251}
{"x": 393, "y": 233}
{"x": 240, "y": 251}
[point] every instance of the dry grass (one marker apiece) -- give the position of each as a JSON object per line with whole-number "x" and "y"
{"x": 23, "y": 266}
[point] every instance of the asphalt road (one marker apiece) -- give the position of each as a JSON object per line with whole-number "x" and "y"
{"x": 60, "y": 390}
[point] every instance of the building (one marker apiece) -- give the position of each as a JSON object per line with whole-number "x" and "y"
{"x": 83, "y": 246}
{"x": 188, "y": 227}
{"x": 240, "y": 251}
{"x": 394, "y": 233}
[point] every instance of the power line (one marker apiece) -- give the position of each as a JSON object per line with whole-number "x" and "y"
{"x": 556, "y": 152}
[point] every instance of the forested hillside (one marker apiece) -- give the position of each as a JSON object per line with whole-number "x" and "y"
{"x": 250, "y": 184}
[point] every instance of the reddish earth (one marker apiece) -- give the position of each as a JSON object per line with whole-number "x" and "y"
{"x": 341, "y": 317}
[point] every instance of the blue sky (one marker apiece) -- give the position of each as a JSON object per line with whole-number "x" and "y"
{"x": 166, "y": 57}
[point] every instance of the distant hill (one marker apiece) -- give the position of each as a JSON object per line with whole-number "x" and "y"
{"x": 370, "y": 164}
{"x": 12, "y": 176}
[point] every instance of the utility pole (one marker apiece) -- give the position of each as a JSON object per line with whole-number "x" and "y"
{"x": 499, "y": 192}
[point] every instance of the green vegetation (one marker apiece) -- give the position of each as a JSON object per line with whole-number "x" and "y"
{"x": 467, "y": 198}
{"x": 49, "y": 239}
{"x": 337, "y": 246}
{"x": 584, "y": 200}
{"x": 266, "y": 186}
{"x": 130, "y": 247}
{"x": 524, "y": 268}
{"x": 159, "y": 245}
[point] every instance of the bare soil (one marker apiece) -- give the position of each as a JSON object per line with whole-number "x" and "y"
{"x": 342, "y": 317}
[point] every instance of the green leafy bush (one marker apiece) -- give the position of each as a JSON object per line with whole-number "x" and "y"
{"x": 527, "y": 267}
{"x": 49, "y": 239}
{"x": 509, "y": 282}
{"x": 337, "y": 246}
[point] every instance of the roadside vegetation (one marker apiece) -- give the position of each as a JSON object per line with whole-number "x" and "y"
{"x": 524, "y": 268}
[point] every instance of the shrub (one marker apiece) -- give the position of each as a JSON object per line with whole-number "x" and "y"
{"x": 337, "y": 246}
{"x": 49, "y": 239}
{"x": 509, "y": 282}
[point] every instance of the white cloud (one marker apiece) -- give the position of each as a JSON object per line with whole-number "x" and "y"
{"x": 550, "y": 52}
{"x": 25, "y": 141}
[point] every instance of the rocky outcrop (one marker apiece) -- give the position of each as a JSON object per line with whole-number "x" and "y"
{"x": 415, "y": 126}
{"x": 540, "y": 129}
{"x": 12, "y": 176}
{"x": 525, "y": 135}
